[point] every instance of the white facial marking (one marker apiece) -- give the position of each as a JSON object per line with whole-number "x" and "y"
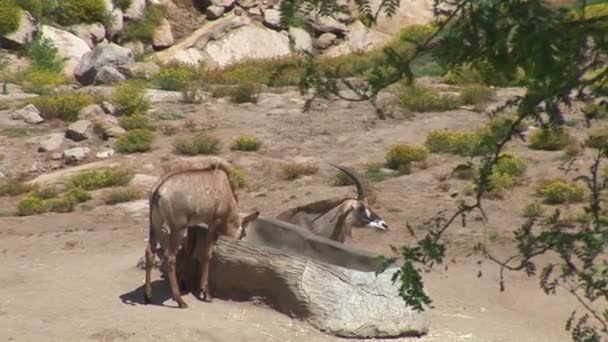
{"x": 380, "y": 225}
{"x": 368, "y": 213}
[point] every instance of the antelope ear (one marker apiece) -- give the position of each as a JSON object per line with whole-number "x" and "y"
{"x": 249, "y": 218}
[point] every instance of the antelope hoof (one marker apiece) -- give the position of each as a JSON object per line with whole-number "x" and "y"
{"x": 147, "y": 299}
{"x": 206, "y": 296}
{"x": 181, "y": 304}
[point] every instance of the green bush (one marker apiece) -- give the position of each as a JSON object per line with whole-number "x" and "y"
{"x": 15, "y": 188}
{"x": 10, "y": 17}
{"x": 42, "y": 82}
{"x": 465, "y": 171}
{"x": 246, "y": 143}
{"x": 400, "y": 156}
{"x": 244, "y": 92}
{"x": 123, "y": 4}
{"x": 476, "y": 94}
{"x": 597, "y": 137}
{"x": 137, "y": 140}
{"x": 135, "y": 121}
{"x": 175, "y": 76}
{"x": 507, "y": 172}
{"x": 549, "y": 139}
{"x": 200, "y": 144}
{"x": 64, "y": 105}
{"x": 143, "y": 29}
{"x": 97, "y": 179}
{"x": 462, "y": 75}
{"x": 81, "y": 195}
{"x": 594, "y": 111}
{"x": 71, "y": 12}
{"x": 342, "y": 179}
{"x": 121, "y": 196}
{"x": 47, "y": 193}
{"x": 423, "y": 99}
{"x": 273, "y": 72}
{"x": 294, "y": 170}
{"x": 532, "y": 210}
{"x": 558, "y": 191}
{"x": 32, "y": 205}
{"x": 65, "y": 204}
{"x": 45, "y": 55}
{"x": 454, "y": 142}
{"x": 130, "y": 98}
{"x": 238, "y": 177}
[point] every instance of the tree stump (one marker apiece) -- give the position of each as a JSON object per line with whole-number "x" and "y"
{"x": 308, "y": 277}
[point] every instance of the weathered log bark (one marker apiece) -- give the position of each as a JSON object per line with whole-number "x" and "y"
{"x": 348, "y": 302}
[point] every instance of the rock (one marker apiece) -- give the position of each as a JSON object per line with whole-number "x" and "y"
{"x": 76, "y": 154}
{"x": 214, "y": 12}
{"x": 108, "y": 108}
{"x": 116, "y": 23}
{"x": 361, "y": 39}
{"x": 56, "y": 156}
{"x": 79, "y": 130}
{"x": 272, "y": 18}
{"x": 136, "y": 10}
{"x": 106, "y": 55}
{"x": 107, "y": 127}
{"x": 108, "y": 75}
{"x": 23, "y": 35}
{"x": 325, "y": 40}
{"x": 90, "y": 33}
{"x": 29, "y": 114}
{"x": 300, "y": 38}
{"x": 163, "y": 37}
{"x": 51, "y": 142}
{"x": 409, "y": 12}
{"x": 246, "y": 43}
{"x": 227, "y": 4}
{"x": 329, "y": 25}
{"x": 68, "y": 46}
{"x": 255, "y": 12}
{"x": 246, "y": 4}
{"x": 137, "y": 47}
{"x": 105, "y": 154}
{"x": 144, "y": 70}
{"x": 90, "y": 111}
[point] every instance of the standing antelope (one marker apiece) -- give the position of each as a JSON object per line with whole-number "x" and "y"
{"x": 183, "y": 199}
{"x": 335, "y": 218}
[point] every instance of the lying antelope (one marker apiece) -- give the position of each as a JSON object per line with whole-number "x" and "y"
{"x": 183, "y": 199}
{"x": 335, "y": 218}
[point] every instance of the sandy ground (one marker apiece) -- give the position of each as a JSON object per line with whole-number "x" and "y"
{"x": 73, "y": 277}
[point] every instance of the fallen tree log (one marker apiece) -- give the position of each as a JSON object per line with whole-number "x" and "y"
{"x": 310, "y": 284}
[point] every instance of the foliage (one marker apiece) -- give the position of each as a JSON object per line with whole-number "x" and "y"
{"x": 476, "y": 94}
{"x": 238, "y": 177}
{"x": 244, "y": 92}
{"x": 10, "y": 17}
{"x": 38, "y": 8}
{"x": 79, "y": 194}
{"x": 200, "y": 144}
{"x": 44, "y": 55}
{"x": 136, "y": 140}
{"x": 455, "y": 142}
{"x": 423, "y": 99}
{"x": 15, "y": 188}
{"x": 175, "y": 76}
{"x": 597, "y": 137}
{"x": 506, "y": 172}
{"x": 595, "y": 111}
{"x": 504, "y": 40}
{"x": 246, "y": 143}
{"x": 558, "y": 191}
{"x": 400, "y": 156}
{"x": 135, "y": 121}
{"x": 32, "y": 205}
{"x": 97, "y": 179}
{"x": 71, "y": 12}
{"x": 549, "y": 139}
{"x": 130, "y": 98}
{"x": 342, "y": 179}
{"x": 40, "y": 81}
{"x": 294, "y": 170}
{"x": 46, "y": 193}
{"x": 64, "y": 204}
{"x": 64, "y": 105}
{"x": 143, "y": 29}
{"x": 532, "y": 210}
{"x": 123, "y": 4}
{"x": 121, "y": 195}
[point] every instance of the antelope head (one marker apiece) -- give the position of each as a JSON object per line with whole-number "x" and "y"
{"x": 361, "y": 214}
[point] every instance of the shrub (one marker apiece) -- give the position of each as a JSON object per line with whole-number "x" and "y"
{"x": 464, "y": 171}
{"x": 507, "y": 172}
{"x": 10, "y": 17}
{"x": 200, "y": 144}
{"x": 597, "y": 137}
{"x": 459, "y": 143}
{"x": 143, "y": 29}
{"x": 342, "y": 179}
{"x": 549, "y": 139}
{"x": 81, "y": 11}
{"x": 274, "y": 72}
{"x": 532, "y": 210}
{"x": 32, "y": 205}
{"x": 557, "y": 191}
{"x": 294, "y": 170}
{"x": 64, "y": 105}
{"x": 41, "y": 81}
{"x": 135, "y": 121}
{"x": 15, "y": 188}
{"x": 175, "y": 76}
{"x": 423, "y": 99}
{"x": 123, "y": 4}
{"x": 80, "y": 195}
{"x": 97, "y": 179}
{"x": 400, "y": 156}
{"x": 121, "y": 196}
{"x": 130, "y": 97}
{"x": 594, "y": 111}
{"x": 246, "y": 143}
{"x": 462, "y": 75}
{"x": 47, "y": 193}
{"x": 238, "y": 177}
{"x": 137, "y": 140}
{"x": 65, "y": 204}
{"x": 244, "y": 92}
{"x": 45, "y": 55}
{"x": 476, "y": 94}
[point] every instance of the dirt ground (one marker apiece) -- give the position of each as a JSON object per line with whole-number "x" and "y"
{"x": 73, "y": 277}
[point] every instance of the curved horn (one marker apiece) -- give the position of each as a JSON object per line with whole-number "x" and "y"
{"x": 361, "y": 191}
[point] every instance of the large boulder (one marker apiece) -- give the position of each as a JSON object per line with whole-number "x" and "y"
{"x": 115, "y": 23}
{"x": 29, "y": 114}
{"x": 108, "y": 75}
{"x": 250, "y": 42}
{"x": 136, "y": 10}
{"x": 68, "y": 46}
{"x": 327, "y": 24}
{"x": 300, "y": 38}
{"x": 410, "y": 12}
{"x": 23, "y": 35}
{"x": 163, "y": 37}
{"x": 359, "y": 39}
{"x": 145, "y": 70}
{"x": 51, "y": 142}
{"x": 214, "y": 12}
{"x": 107, "y": 55}
{"x": 80, "y": 130}
{"x": 90, "y": 33}
{"x": 272, "y": 18}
